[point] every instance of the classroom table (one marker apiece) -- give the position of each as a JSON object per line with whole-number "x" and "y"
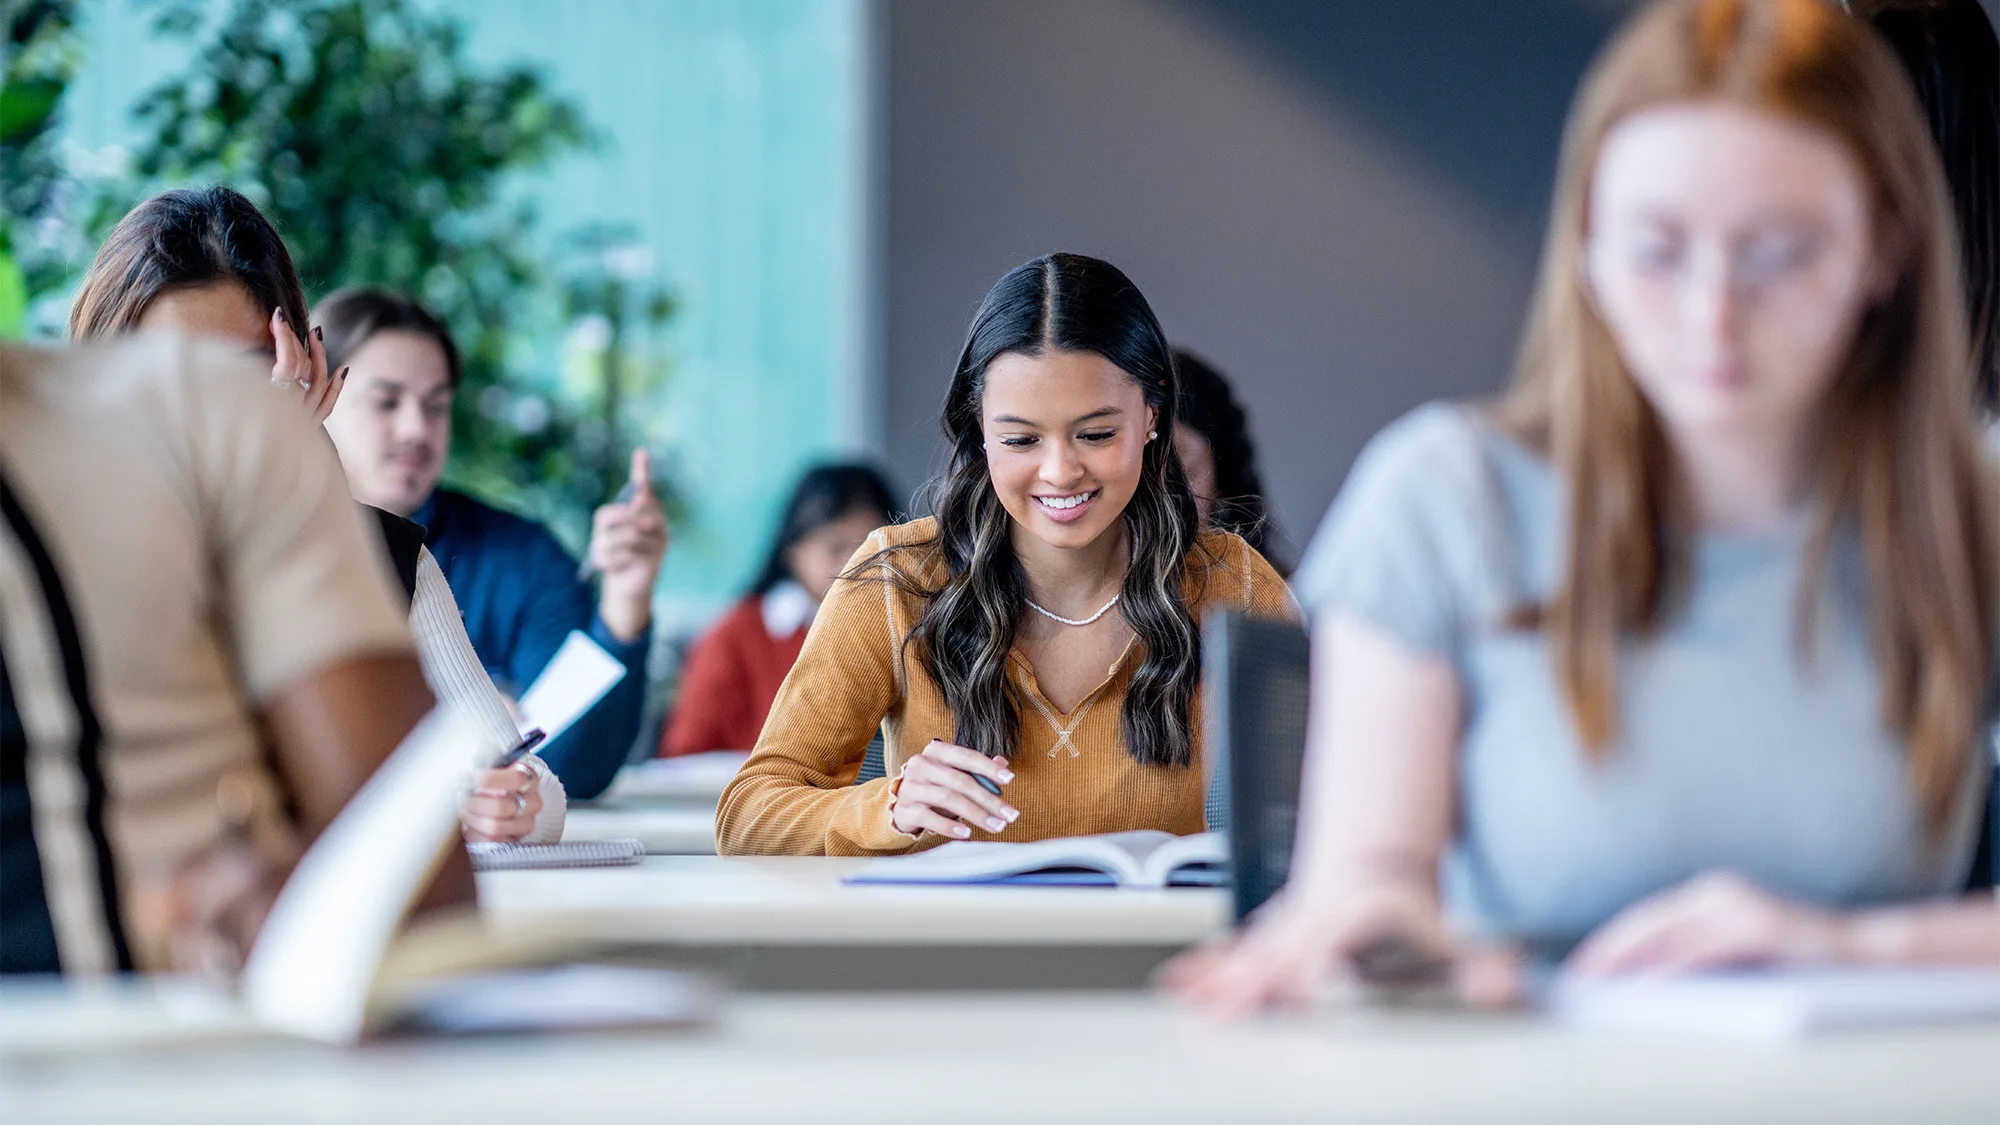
{"x": 790, "y": 923}
{"x": 1102, "y": 1059}
{"x": 690, "y": 779}
{"x": 667, "y": 804}
{"x": 664, "y": 829}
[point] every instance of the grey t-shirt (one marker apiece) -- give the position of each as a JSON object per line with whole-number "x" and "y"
{"x": 1730, "y": 751}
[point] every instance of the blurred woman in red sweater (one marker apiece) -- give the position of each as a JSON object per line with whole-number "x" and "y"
{"x": 734, "y": 672}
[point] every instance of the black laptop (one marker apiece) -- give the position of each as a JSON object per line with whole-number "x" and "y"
{"x": 1256, "y": 681}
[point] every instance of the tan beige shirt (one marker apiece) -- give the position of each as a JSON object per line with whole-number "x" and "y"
{"x": 1072, "y": 775}
{"x": 208, "y": 554}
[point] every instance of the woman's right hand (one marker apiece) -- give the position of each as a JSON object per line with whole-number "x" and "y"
{"x": 936, "y": 793}
{"x": 302, "y": 367}
{"x": 1300, "y": 946}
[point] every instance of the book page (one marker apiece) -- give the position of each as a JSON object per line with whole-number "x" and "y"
{"x": 1211, "y": 848}
{"x": 1117, "y": 854}
{"x": 976, "y": 861}
{"x": 310, "y": 971}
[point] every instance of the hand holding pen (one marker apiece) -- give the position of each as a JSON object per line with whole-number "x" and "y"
{"x": 505, "y": 799}
{"x": 948, "y": 788}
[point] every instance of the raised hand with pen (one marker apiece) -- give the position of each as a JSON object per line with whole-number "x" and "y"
{"x": 628, "y": 539}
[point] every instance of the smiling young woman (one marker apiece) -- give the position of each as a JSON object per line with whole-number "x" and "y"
{"x": 1039, "y": 634}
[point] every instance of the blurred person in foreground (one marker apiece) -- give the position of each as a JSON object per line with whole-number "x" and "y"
{"x": 1212, "y": 438}
{"x": 206, "y": 261}
{"x": 521, "y": 592}
{"x": 202, "y": 655}
{"x": 1682, "y": 655}
{"x": 735, "y": 671}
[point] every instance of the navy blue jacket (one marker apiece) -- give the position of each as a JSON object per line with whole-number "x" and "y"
{"x": 520, "y": 595}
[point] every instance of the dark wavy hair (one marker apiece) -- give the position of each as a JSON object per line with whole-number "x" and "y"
{"x": 1949, "y": 51}
{"x": 824, "y": 495}
{"x": 187, "y": 237}
{"x": 1064, "y": 303}
{"x": 1211, "y": 410}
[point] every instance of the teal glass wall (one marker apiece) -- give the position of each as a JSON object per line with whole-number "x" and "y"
{"x": 734, "y": 137}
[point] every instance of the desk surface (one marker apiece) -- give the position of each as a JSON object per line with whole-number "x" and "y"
{"x": 712, "y": 900}
{"x": 693, "y": 778}
{"x": 1015, "y": 1059}
{"x": 665, "y": 829}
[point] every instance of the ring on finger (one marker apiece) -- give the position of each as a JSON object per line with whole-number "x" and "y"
{"x": 520, "y": 802}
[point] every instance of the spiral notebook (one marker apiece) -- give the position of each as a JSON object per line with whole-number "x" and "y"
{"x": 575, "y": 853}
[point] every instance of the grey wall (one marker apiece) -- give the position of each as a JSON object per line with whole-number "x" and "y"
{"x": 1336, "y": 201}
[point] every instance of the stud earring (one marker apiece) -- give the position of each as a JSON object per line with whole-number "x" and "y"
{"x": 1151, "y": 434}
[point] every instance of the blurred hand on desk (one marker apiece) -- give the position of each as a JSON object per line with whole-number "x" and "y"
{"x": 1299, "y": 950}
{"x": 1713, "y": 921}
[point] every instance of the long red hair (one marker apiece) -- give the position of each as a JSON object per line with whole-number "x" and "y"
{"x": 1896, "y": 455}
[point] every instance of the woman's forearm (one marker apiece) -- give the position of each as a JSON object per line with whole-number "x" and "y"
{"x": 1962, "y": 931}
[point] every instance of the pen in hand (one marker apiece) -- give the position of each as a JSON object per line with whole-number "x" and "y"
{"x": 931, "y": 794}
{"x": 528, "y": 742}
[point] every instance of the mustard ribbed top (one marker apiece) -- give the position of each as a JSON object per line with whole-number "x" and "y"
{"x": 1072, "y": 776}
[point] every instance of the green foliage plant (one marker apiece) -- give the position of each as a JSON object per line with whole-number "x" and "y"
{"x": 387, "y": 157}
{"x": 39, "y": 53}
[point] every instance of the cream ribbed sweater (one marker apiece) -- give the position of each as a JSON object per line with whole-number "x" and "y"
{"x": 458, "y": 679}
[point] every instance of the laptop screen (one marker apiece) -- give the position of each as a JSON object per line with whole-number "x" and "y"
{"x": 1257, "y": 682}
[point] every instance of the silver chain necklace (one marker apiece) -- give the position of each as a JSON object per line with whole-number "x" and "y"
{"x": 1070, "y": 620}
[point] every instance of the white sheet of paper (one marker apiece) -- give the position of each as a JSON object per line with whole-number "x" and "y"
{"x": 1767, "y": 1005}
{"x": 576, "y": 677}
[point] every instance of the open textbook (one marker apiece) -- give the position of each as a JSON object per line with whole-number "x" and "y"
{"x": 1122, "y": 859}
{"x": 335, "y": 960}
{"x": 1765, "y": 1005}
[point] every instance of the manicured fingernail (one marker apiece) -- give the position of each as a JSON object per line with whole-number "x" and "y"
{"x": 343, "y": 373}
{"x": 1006, "y": 775}
{"x": 995, "y": 824}
{"x": 960, "y": 831}
{"x": 1013, "y": 815}
{"x": 317, "y": 334}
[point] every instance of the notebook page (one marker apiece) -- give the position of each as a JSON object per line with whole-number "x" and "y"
{"x": 615, "y": 852}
